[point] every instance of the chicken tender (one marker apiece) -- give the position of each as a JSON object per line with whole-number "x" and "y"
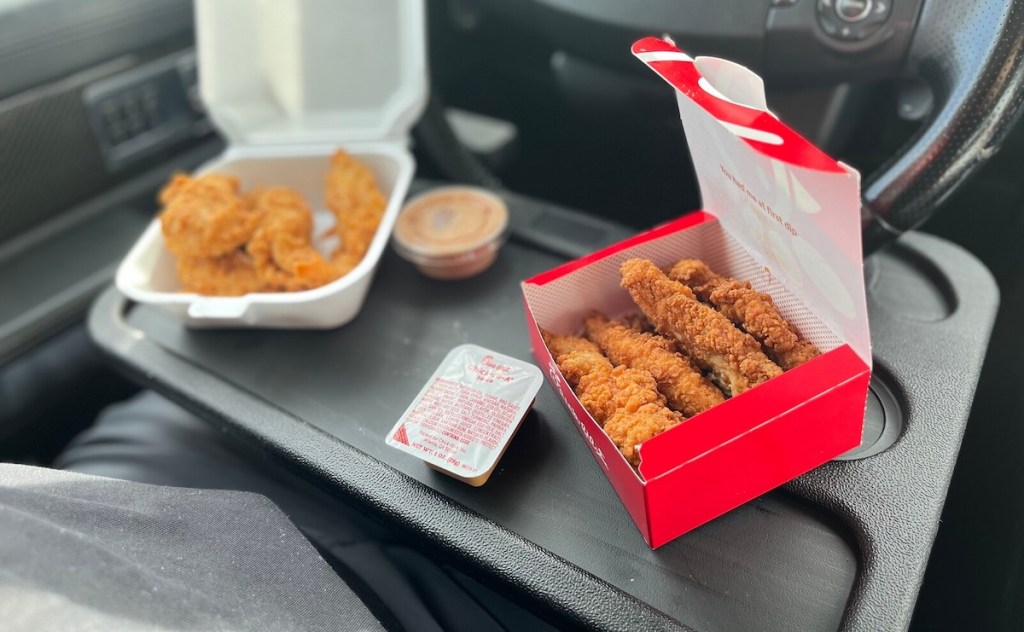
{"x": 682, "y": 384}
{"x": 629, "y": 430}
{"x": 282, "y": 245}
{"x": 637, "y": 322}
{"x": 265, "y": 238}
{"x": 733, "y": 358}
{"x": 205, "y": 216}
{"x": 281, "y": 248}
{"x": 589, "y": 372}
{"x": 752, "y": 310}
{"x": 626, "y": 402}
{"x": 232, "y": 274}
{"x": 352, "y": 194}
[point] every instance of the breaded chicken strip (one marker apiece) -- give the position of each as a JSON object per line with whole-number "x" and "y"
{"x": 205, "y": 216}
{"x": 232, "y": 274}
{"x": 352, "y": 194}
{"x": 734, "y": 359}
{"x": 281, "y": 247}
{"x": 625, "y": 401}
{"x": 637, "y": 322}
{"x": 678, "y": 379}
{"x": 590, "y": 373}
{"x": 752, "y": 310}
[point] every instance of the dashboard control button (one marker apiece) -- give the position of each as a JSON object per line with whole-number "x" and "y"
{"x": 852, "y": 20}
{"x": 853, "y": 10}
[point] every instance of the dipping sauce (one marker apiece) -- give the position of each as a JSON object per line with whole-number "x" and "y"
{"x": 468, "y": 412}
{"x": 452, "y": 232}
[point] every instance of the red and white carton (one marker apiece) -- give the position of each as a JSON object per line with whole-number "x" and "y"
{"x": 779, "y": 213}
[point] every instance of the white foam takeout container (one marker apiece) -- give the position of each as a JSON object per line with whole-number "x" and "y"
{"x": 288, "y": 82}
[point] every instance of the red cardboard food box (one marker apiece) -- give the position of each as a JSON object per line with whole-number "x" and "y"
{"x": 779, "y": 213}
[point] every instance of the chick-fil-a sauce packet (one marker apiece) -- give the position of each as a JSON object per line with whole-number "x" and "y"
{"x": 467, "y": 413}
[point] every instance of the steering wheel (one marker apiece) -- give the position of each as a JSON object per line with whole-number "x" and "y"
{"x": 970, "y": 56}
{"x": 963, "y": 57}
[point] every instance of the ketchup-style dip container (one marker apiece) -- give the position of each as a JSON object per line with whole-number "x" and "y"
{"x": 468, "y": 412}
{"x": 452, "y": 232}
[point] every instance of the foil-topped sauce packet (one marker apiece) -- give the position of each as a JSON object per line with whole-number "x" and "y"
{"x": 465, "y": 416}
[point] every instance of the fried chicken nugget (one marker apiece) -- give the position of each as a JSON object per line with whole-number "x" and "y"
{"x": 734, "y": 358}
{"x": 281, "y": 248}
{"x": 205, "y": 216}
{"x": 678, "y": 379}
{"x": 233, "y": 274}
{"x": 626, "y": 402}
{"x": 748, "y": 308}
{"x": 351, "y": 192}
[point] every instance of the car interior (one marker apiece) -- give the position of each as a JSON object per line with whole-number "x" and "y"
{"x": 540, "y": 101}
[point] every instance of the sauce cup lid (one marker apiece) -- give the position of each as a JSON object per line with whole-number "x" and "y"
{"x": 447, "y": 222}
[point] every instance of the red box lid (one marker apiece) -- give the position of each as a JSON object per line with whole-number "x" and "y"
{"x": 792, "y": 206}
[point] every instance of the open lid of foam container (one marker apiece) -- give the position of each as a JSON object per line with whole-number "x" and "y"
{"x": 312, "y": 71}
{"x": 796, "y": 210}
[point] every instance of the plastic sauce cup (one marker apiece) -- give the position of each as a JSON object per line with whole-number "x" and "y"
{"x": 452, "y": 232}
{"x": 467, "y": 413}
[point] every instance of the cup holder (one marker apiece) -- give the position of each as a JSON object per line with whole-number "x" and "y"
{"x": 883, "y": 422}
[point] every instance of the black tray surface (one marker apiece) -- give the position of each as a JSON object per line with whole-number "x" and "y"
{"x": 845, "y": 547}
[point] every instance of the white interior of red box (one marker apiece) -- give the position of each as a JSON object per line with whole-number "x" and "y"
{"x": 561, "y": 305}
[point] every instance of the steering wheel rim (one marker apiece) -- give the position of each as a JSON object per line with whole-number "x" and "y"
{"x": 971, "y": 56}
